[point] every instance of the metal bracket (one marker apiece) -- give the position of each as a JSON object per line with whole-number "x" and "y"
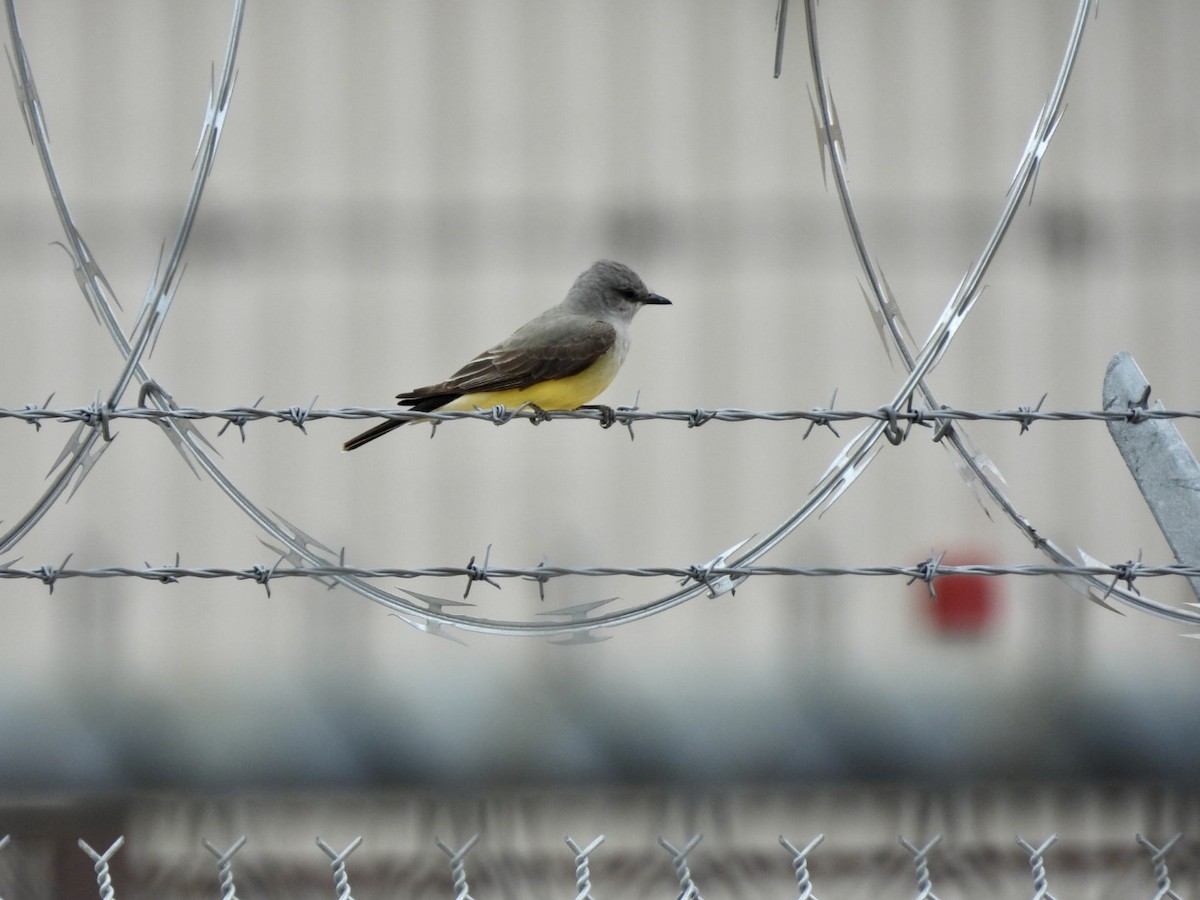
{"x": 1164, "y": 468}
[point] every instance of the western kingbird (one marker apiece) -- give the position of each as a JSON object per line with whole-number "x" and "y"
{"x": 560, "y": 360}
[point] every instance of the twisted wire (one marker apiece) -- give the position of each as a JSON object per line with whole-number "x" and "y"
{"x": 458, "y": 868}
{"x": 583, "y": 874}
{"x": 800, "y": 865}
{"x": 1158, "y": 857}
{"x": 920, "y": 857}
{"x": 225, "y": 866}
{"x": 927, "y": 571}
{"x": 1037, "y": 866}
{"x": 683, "y": 872}
{"x": 341, "y": 880}
{"x": 99, "y": 415}
{"x": 1106, "y": 855}
{"x": 100, "y": 864}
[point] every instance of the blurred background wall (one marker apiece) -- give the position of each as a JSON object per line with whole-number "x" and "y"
{"x": 400, "y": 185}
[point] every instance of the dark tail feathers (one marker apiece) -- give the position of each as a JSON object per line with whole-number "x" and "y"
{"x": 371, "y": 433}
{"x": 424, "y": 404}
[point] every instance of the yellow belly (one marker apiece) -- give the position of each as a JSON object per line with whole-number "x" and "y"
{"x": 560, "y": 393}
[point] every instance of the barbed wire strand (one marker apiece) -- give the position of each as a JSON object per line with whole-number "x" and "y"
{"x": 99, "y": 416}
{"x": 927, "y": 571}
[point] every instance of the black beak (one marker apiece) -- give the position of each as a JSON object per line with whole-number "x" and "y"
{"x": 656, "y": 300}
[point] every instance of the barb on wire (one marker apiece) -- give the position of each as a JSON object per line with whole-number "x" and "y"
{"x": 707, "y": 574}
{"x": 46, "y": 574}
{"x": 96, "y": 416}
{"x": 241, "y": 419}
{"x": 629, "y": 412}
{"x": 263, "y": 574}
{"x": 1031, "y": 414}
{"x": 476, "y": 573}
{"x": 541, "y": 579}
{"x": 1127, "y": 572}
{"x": 36, "y": 423}
{"x": 297, "y": 415}
{"x": 928, "y": 571}
{"x": 821, "y": 417}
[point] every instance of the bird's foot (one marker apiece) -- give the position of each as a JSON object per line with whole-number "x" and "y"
{"x": 537, "y": 414}
{"x": 608, "y": 415}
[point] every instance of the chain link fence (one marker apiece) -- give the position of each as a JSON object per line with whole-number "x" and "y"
{"x": 882, "y": 842}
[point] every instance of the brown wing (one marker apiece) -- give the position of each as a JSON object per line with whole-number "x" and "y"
{"x": 543, "y": 350}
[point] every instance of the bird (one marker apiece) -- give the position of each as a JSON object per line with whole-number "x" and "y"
{"x": 558, "y": 360}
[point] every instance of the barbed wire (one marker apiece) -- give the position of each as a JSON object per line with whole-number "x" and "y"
{"x": 302, "y": 550}
{"x": 919, "y": 360}
{"x": 100, "y": 415}
{"x": 927, "y": 571}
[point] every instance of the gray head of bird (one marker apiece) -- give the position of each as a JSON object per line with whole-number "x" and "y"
{"x": 610, "y": 288}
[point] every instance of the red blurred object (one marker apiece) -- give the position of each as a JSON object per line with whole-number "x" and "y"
{"x": 966, "y": 604}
